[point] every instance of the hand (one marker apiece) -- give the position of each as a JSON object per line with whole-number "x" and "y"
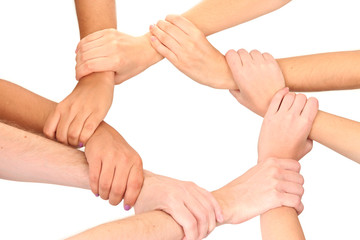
{"x": 270, "y": 184}
{"x": 187, "y": 48}
{"x": 192, "y": 207}
{"x": 110, "y": 50}
{"x": 286, "y": 126}
{"x": 258, "y": 77}
{"x": 115, "y": 169}
{"x": 75, "y": 119}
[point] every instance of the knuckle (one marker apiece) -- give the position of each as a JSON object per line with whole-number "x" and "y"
{"x": 104, "y": 185}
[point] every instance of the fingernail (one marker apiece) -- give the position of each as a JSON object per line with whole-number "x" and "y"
{"x": 221, "y": 219}
{"x": 151, "y": 26}
{"x": 153, "y": 38}
{"x": 81, "y": 144}
{"x": 97, "y": 195}
{"x": 127, "y": 207}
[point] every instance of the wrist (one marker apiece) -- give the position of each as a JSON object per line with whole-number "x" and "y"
{"x": 106, "y": 77}
{"x": 221, "y": 198}
{"x": 150, "y": 54}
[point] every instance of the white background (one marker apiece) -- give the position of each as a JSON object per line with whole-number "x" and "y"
{"x": 180, "y": 128}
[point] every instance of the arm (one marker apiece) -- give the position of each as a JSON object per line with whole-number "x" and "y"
{"x": 32, "y": 158}
{"x": 185, "y": 46}
{"x": 75, "y": 119}
{"x": 119, "y": 52}
{"x": 105, "y": 148}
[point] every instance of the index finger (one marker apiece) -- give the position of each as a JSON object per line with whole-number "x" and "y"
{"x": 91, "y": 37}
{"x": 181, "y": 22}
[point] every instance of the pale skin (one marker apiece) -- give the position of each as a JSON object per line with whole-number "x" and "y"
{"x": 327, "y": 71}
{"x": 110, "y": 50}
{"x": 75, "y": 119}
{"x": 30, "y": 112}
{"x": 32, "y": 158}
{"x": 115, "y": 169}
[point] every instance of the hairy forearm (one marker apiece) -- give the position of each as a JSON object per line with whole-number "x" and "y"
{"x": 340, "y": 134}
{"x": 152, "y": 225}
{"x": 31, "y": 158}
{"x": 212, "y": 16}
{"x": 281, "y": 224}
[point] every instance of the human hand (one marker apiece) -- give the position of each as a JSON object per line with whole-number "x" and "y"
{"x": 258, "y": 77}
{"x": 115, "y": 168}
{"x": 110, "y": 50}
{"x": 75, "y": 118}
{"x": 187, "y": 48}
{"x": 270, "y": 184}
{"x": 287, "y": 125}
{"x": 192, "y": 207}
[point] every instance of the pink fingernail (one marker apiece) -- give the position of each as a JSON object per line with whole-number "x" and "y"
{"x": 151, "y": 26}
{"x": 127, "y": 207}
{"x": 97, "y": 195}
{"x": 81, "y": 144}
{"x": 221, "y": 219}
{"x": 153, "y": 39}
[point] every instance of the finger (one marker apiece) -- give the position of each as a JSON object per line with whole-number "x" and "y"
{"x": 98, "y": 52}
{"x": 257, "y": 56}
{"x": 94, "y": 174}
{"x": 166, "y": 39}
{"x": 90, "y": 125}
{"x": 268, "y": 57}
{"x": 101, "y": 64}
{"x": 237, "y": 95}
{"x": 173, "y": 31}
{"x": 215, "y": 206}
{"x": 200, "y": 214}
{"x": 106, "y": 179}
{"x": 276, "y": 100}
{"x": 75, "y": 129}
{"x": 300, "y": 208}
{"x": 181, "y": 22}
{"x": 246, "y": 59}
{"x": 186, "y": 220}
{"x": 202, "y": 197}
{"x": 308, "y": 145}
{"x": 291, "y": 200}
{"x": 291, "y": 187}
{"x": 51, "y": 125}
{"x": 133, "y": 187}
{"x": 311, "y": 109}
{"x": 63, "y": 127}
{"x": 91, "y": 37}
{"x": 164, "y": 51}
{"x": 83, "y": 48}
{"x": 292, "y": 176}
{"x": 235, "y": 64}
{"x": 289, "y": 164}
{"x": 287, "y": 102}
{"x": 299, "y": 104}
{"x": 118, "y": 185}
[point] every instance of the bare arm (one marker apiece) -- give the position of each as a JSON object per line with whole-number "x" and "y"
{"x": 340, "y": 134}
{"x": 212, "y": 16}
{"x": 322, "y": 72}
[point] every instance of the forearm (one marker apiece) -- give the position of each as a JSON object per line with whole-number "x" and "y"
{"x": 151, "y": 225}
{"x": 321, "y": 72}
{"x": 340, "y": 134}
{"x": 281, "y": 224}
{"x": 318, "y": 72}
{"x": 93, "y": 16}
{"x": 31, "y": 158}
{"x": 212, "y": 16}
{"x": 23, "y": 108}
